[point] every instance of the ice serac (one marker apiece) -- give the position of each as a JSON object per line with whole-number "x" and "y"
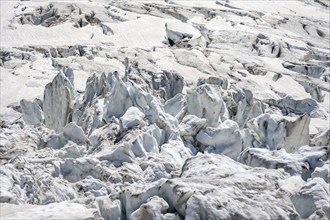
{"x": 132, "y": 118}
{"x": 74, "y": 133}
{"x": 95, "y": 86}
{"x": 191, "y": 125}
{"x": 58, "y": 100}
{"x": 88, "y": 112}
{"x": 32, "y": 111}
{"x": 323, "y": 172}
{"x": 267, "y": 47}
{"x": 89, "y": 116}
{"x": 213, "y": 80}
{"x": 71, "y": 132}
{"x": 205, "y": 101}
{"x": 118, "y": 100}
{"x": 289, "y": 105}
{"x": 175, "y": 105}
{"x": 119, "y": 155}
{"x": 183, "y": 35}
{"x": 224, "y": 139}
{"x": 109, "y": 209}
{"x": 155, "y": 208}
{"x": 322, "y": 139}
{"x": 311, "y": 70}
{"x": 156, "y": 114}
{"x": 175, "y": 151}
{"x": 305, "y": 162}
{"x": 276, "y": 132}
{"x": 168, "y": 83}
{"x": 312, "y": 200}
{"x": 241, "y": 105}
{"x": 149, "y": 141}
{"x": 74, "y": 170}
{"x": 20, "y": 186}
{"x": 196, "y": 194}
{"x": 241, "y": 187}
